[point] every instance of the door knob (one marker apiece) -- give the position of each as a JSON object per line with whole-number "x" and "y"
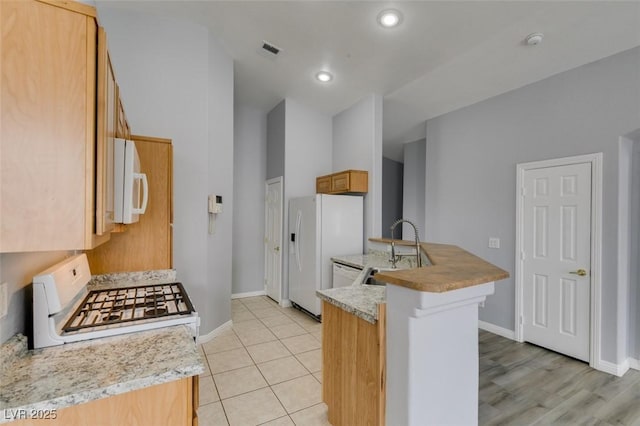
{"x": 277, "y": 248}
{"x": 580, "y": 272}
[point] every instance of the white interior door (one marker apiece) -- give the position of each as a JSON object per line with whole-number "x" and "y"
{"x": 273, "y": 238}
{"x": 556, "y": 265}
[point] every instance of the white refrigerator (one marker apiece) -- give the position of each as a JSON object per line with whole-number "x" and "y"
{"x": 320, "y": 226}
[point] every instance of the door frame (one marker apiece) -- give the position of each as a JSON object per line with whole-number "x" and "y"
{"x": 596, "y": 246}
{"x": 268, "y": 182}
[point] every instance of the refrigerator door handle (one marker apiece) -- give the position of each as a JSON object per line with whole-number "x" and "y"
{"x": 298, "y": 237}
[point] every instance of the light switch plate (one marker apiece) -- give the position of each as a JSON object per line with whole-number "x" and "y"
{"x": 4, "y": 300}
{"x": 494, "y": 242}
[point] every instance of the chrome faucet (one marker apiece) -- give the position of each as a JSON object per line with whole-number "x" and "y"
{"x": 394, "y": 259}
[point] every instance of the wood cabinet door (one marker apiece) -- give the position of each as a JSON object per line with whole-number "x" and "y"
{"x": 340, "y": 182}
{"x": 354, "y": 372}
{"x": 164, "y": 404}
{"x": 122, "y": 125}
{"x": 106, "y": 133}
{"x": 150, "y": 239}
{"x": 47, "y": 127}
{"x": 323, "y": 184}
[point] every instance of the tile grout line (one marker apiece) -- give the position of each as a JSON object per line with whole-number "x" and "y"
{"x": 268, "y": 385}
{"x": 217, "y": 391}
{"x": 295, "y": 356}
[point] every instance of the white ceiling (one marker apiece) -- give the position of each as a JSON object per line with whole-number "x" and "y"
{"x": 444, "y": 56}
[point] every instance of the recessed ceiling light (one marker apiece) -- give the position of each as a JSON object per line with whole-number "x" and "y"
{"x": 389, "y": 18}
{"x": 324, "y": 76}
{"x": 533, "y": 39}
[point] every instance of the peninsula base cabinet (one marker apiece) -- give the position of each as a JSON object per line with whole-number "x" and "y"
{"x": 172, "y": 403}
{"x": 353, "y": 373}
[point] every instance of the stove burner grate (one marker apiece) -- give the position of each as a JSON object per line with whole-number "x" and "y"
{"x": 106, "y": 307}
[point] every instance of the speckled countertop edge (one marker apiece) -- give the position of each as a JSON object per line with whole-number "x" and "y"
{"x": 359, "y": 300}
{"x": 70, "y": 374}
{"x": 129, "y": 279}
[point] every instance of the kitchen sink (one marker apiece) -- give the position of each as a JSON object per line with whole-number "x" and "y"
{"x": 369, "y": 276}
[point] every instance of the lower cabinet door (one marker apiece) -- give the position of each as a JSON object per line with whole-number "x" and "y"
{"x": 169, "y": 403}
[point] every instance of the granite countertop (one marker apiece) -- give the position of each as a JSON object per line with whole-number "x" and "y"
{"x": 360, "y": 300}
{"x": 75, "y": 373}
{"x": 130, "y": 279}
{"x": 354, "y": 260}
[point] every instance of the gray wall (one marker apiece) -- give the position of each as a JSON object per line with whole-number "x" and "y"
{"x": 307, "y": 156}
{"x": 413, "y": 198}
{"x": 392, "y": 175}
{"x": 249, "y": 175}
{"x": 177, "y": 83}
{"x": 217, "y": 288}
{"x": 275, "y": 141}
{"x": 357, "y": 144}
{"x": 18, "y": 270}
{"x": 472, "y": 155}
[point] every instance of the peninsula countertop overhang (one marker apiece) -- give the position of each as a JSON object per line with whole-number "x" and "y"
{"x": 451, "y": 268}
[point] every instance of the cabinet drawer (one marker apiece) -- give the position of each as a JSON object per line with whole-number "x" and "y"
{"x": 323, "y": 184}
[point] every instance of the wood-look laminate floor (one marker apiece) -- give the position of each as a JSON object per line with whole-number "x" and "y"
{"x": 523, "y": 384}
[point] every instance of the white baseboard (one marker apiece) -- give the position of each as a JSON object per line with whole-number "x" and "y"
{"x": 495, "y": 329}
{"x": 285, "y": 303}
{"x": 248, "y": 294}
{"x": 209, "y": 336}
{"x": 611, "y": 368}
{"x": 634, "y": 363}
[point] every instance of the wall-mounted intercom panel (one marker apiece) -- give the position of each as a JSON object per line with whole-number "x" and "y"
{"x": 215, "y": 207}
{"x": 215, "y": 204}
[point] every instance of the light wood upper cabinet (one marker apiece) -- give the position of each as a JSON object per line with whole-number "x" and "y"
{"x": 105, "y": 135}
{"x": 348, "y": 181}
{"x": 47, "y": 126}
{"x": 151, "y": 237}
{"x": 122, "y": 125}
{"x": 323, "y": 184}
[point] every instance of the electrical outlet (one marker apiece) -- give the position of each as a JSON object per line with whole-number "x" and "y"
{"x": 4, "y": 300}
{"x": 494, "y": 242}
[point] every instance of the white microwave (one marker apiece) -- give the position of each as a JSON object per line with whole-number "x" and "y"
{"x": 131, "y": 189}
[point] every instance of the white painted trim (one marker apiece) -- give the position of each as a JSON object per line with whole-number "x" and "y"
{"x": 634, "y": 363}
{"x": 596, "y": 249}
{"x": 496, "y": 329}
{"x": 611, "y": 368}
{"x": 218, "y": 331}
{"x": 625, "y": 167}
{"x": 285, "y": 303}
{"x": 268, "y": 182}
{"x": 248, "y": 294}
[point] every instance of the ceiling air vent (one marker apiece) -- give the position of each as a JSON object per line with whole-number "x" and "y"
{"x": 270, "y": 48}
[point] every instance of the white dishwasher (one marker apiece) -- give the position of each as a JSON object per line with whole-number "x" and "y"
{"x": 344, "y": 275}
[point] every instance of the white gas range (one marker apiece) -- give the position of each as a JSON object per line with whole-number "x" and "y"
{"x": 65, "y": 311}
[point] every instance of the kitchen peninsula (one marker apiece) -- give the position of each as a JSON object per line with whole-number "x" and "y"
{"x": 407, "y": 353}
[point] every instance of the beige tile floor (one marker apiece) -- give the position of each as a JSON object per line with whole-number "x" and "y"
{"x": 266, "y": 370}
